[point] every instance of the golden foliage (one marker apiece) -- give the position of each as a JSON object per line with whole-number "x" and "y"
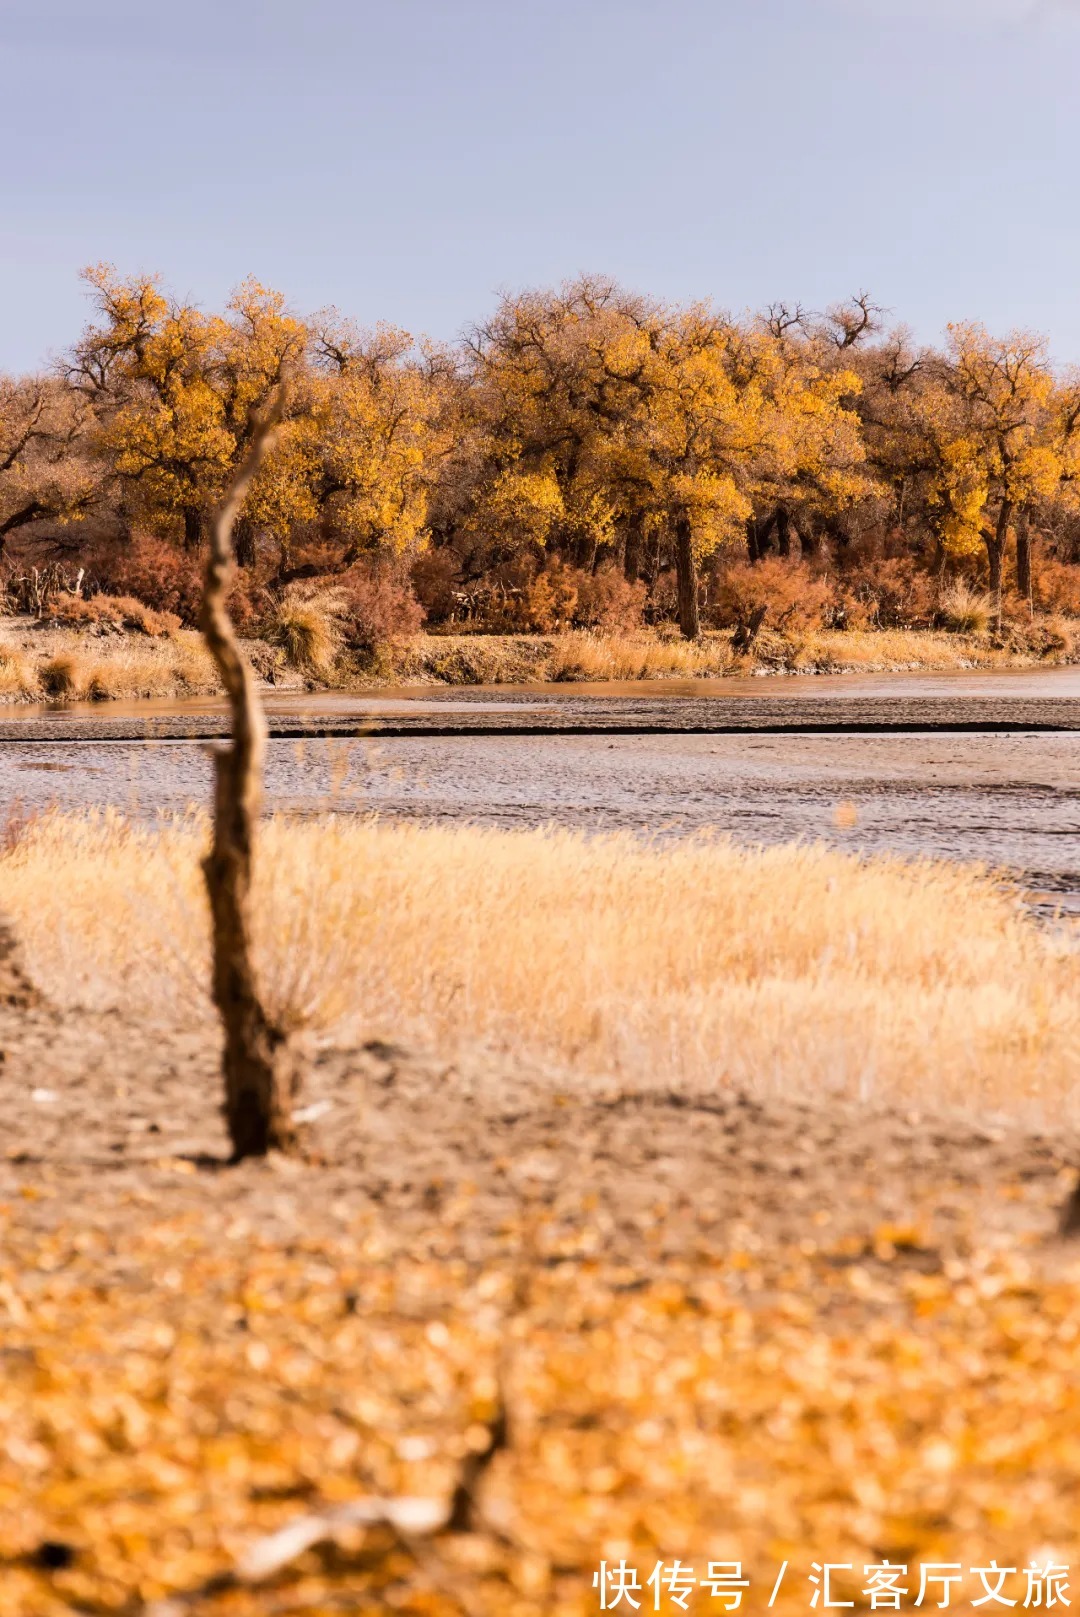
{"x": 887, "y": 1395}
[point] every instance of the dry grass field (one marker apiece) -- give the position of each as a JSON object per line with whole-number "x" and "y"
{"x": 791, "y": 971}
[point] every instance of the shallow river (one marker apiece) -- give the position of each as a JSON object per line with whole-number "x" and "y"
{"x": 985, "y": 766}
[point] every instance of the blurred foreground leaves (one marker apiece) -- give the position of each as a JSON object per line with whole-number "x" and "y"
{"x": 181, "y": 1382}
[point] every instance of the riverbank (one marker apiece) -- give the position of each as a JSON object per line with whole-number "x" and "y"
{"x": 62, "y": 664}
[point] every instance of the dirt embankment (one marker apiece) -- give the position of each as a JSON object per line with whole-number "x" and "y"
{"x": 42, "y": 663}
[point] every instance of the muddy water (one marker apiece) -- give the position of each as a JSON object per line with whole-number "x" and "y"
{"x": 1008, "y": 796}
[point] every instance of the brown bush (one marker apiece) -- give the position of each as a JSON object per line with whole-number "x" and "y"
{"x": 795, "y": 598}
{"x": 607, "y": 600}
{"x": 155, "y": 572}
{"x": 887, "y": 592}
{"x": 379, "y": 604}
{"x": 170, "y": 580}
{"x": 1056, "y": 586}
{"x": 114, "y": 613}
{"x": 436, "y": 580}
{"x": 550, "y": 601}
{"x": 525, "y": 598}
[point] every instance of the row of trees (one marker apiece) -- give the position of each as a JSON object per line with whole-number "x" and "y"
{"x": 589, "y": 424}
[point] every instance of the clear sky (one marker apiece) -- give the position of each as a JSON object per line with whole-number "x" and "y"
{"x": 407, "y": 159}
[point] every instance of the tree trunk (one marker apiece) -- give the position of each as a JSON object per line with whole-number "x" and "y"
{"x": 995, "y": 553}
{"x": 686, "y": 578}
{"x": 244, "y": 540}
{"x": 1023, "y": 558}
{"x": 632, "y": 545}
{"x": 783, "y": 530}
{"x": 193, "y": 527}
{"x": 262, "y": 1068}
{"x": 585, "y": 553}
{"x": 1070, "y": 1214}
{"x": 809, "y": 538}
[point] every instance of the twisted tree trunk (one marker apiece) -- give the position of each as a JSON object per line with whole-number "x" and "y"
{"x": 262, "y": 1068}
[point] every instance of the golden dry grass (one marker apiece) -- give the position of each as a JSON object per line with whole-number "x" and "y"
{"x": 306, "y": 630}
{"x": 792, "y": 970}
{"x": 645, "y": 654}
{"x": 840, "y": 651}
{"x": 67, "y": 665}
{"x": 584, "y": 656}
{"x": 17, "y": 679}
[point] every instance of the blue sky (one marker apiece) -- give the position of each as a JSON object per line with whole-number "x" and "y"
{"x": 407, "y": 159}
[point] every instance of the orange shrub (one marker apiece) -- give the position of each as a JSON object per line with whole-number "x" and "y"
{"x": 155, "y": 572}
{"x": 550, "y": 601}
{"x": 886, "y": 592}
{"x": 795, "y": 597}
{"x": 1056, "y": 586}
{"x": 379, "y": 605}
{"x": 110, "y": 612}
{"x": 162, "y": 576}
{"x": 436, "y": 579}
{"x": 607, "y": 600}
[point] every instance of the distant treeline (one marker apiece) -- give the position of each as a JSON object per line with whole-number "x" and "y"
{"x": 586, "y": 455}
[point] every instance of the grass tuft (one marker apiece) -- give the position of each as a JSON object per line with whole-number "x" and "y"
{"x": 965, "y": 610}
{"x": 306, "y": 631}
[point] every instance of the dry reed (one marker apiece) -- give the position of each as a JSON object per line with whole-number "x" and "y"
{"x": 792, "y": 970}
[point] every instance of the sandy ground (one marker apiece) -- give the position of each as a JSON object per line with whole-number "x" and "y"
{"x": 97, "y": 1105}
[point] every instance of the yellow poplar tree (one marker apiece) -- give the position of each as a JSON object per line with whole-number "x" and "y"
{"x": 999, "y": 447}
{"x": 175, "y": 389}
{"x": 361, "y": 453}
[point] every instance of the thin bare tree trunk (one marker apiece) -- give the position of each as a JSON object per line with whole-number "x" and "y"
{"x": 1023, "y": 559}
{"x": 635, "y": 534}
{"x": 262, "y": 1068}
{"x": 686, "y": 578}
{"x": 995, "y": 551}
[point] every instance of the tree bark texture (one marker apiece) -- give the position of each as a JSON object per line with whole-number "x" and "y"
{"x": 995, "y": 540}
{"x": 261, "y": 1067}
{"x": 783, "y": 530}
